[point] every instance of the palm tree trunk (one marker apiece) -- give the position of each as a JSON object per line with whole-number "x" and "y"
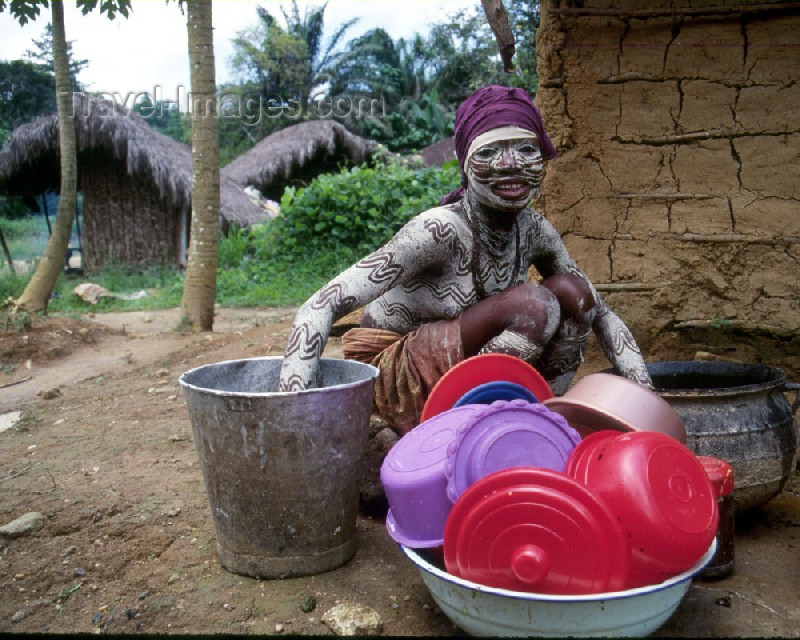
{"x": 37, "y": 293}
{"x": 200, "y": 284}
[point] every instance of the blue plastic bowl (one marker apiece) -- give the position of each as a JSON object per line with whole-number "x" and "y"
{"x": 496, "y": 390}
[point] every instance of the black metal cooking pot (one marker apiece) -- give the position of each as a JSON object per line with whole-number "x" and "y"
{"x": 736, "y": 412}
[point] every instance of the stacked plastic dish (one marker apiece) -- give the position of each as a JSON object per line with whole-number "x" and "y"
{"x": 630, "y": 510}
{"x": 504, "y": 502}
{"x": 429, "y": 468}
{"x": 483, "y": 379}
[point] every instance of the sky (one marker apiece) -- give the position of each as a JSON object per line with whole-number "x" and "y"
{"x": 147, "y": 52}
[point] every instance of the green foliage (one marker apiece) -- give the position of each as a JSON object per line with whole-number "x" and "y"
{"x": 164, "y": 116}
{"x": 278, "y": 68}
{"x": 358, "y": 208}
{"x": 412, "y": 124}
{"x": 162, "y": 284}
{"x": 524, "y": 16}
{"x": 11, "y": 286}
{"x": 13, "y": 208}
{"x": 42, "y": 56}
{"x": 322, "y": 230}
{"x": 420, "y": 81}
{"x": 464, "y": 56}
{"x": 28, "y": 91}
{"x": 263, "y": 276}
{"x": 22, "y": 10}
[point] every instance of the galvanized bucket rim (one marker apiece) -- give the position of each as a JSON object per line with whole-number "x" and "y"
{"x": 373, "y": 371}
{"x": 777, "y": 381}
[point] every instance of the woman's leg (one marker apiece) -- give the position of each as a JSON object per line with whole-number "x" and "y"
{"x": 564, "y": 353}
{"x": 547, "y": 325}
{"x": 519, "y": 321}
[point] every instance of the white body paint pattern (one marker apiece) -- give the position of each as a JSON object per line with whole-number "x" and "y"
{"x": 425, "y": 273}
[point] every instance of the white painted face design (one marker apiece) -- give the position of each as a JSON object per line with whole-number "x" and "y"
{"x": 506, "y": 174}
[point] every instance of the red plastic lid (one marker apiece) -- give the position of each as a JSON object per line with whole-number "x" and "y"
{"x": 720, "y": 473}
{"x": 498, "y": 481}
{"x": 478, "y": 370}
{"x": 548, "y": 535}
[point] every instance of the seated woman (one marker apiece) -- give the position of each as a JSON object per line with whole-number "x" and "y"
{"x": 452, "y": 283}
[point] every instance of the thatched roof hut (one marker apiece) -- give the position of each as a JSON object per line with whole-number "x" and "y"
{"x": 136, "y": 183}
{"x": 297, "y": 154}
{"x": 436, "y": 154}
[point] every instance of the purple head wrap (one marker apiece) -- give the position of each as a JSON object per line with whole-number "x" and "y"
{"x": 488, "y": 108}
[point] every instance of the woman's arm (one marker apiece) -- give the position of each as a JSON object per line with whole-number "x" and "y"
{"x": 619, "y": 345}
{"x": 413, "y": 249}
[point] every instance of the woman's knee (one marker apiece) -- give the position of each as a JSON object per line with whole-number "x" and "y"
{"x": 575, "y": 296}
{"x": 526, "y": 309}
{"x": 534, "y": 310}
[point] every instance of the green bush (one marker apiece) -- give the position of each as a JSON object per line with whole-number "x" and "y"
{"x": 358, "y": 208}
{"x": 323, "y": 229}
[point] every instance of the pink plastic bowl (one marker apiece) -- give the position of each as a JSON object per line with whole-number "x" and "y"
{"x": 607, "y": 401}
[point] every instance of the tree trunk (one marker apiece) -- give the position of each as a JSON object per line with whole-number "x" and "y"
{"x": 498, "y": 20}
{"x": 7, "y": 254}
{"x": 200, "y": 284}
{"x": 41, "y": 285}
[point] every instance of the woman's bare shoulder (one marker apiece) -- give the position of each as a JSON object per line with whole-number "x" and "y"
{"x": 444, "y": 213}
{"x": 438, "y": 224}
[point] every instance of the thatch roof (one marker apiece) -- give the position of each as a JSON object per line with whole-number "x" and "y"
{"x": 436, "y": 154}
{"x": 29, "y": 160}
{"x": 296, "y": 155}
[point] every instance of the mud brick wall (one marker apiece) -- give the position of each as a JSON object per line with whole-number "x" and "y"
{"x": 677, "y": 185}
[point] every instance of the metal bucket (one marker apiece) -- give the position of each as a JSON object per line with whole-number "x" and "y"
{"x": 281, "y": 470}
{"x": 736, "y": 412}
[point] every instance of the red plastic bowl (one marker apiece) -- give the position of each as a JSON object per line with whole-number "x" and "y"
{"x": 590, "y": 446}
{"x": 661, "y": 496}
{"x": 478, "y": 370}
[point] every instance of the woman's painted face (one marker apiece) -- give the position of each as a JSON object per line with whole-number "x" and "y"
{"x": 506, "y": 174}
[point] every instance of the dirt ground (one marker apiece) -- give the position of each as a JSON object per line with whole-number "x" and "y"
{"x": 104, "y": 450}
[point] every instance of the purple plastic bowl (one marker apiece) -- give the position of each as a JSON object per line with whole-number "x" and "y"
{"x": 413, "y": 477}
{"x": 504, "y": 435}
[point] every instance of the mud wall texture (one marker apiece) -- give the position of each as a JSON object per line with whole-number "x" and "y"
{"x": 677, "y": 185}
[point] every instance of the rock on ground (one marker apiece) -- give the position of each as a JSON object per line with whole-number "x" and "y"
{"x": 25, "y": 524}
{"x": 378, "y": 446}
{"x": 351, "y": 619}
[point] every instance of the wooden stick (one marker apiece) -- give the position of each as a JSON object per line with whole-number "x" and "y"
{"x": 627, "y": 286}
{"x": 15, "y": 475}
{"x": 663, "y": 196}
{"x": 498, "y": 21}
{"x": 11, "y": 384}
